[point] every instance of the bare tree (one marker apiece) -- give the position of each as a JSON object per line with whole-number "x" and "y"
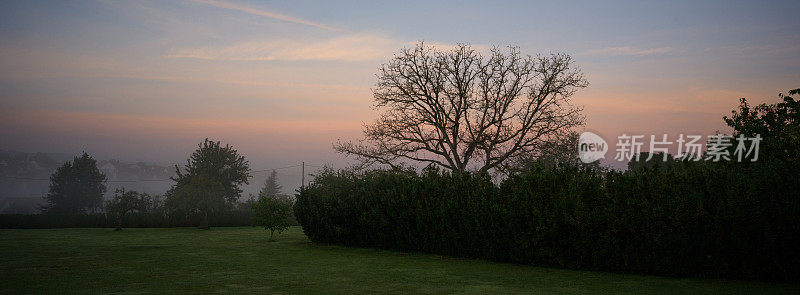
{"x": 462, "y": 110}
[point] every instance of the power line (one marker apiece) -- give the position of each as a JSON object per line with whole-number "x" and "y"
{"x": 279, "y": 168}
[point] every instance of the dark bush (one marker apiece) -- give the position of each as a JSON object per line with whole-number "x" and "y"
{"x": 702, "y": 219}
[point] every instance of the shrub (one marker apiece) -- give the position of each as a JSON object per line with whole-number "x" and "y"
{"x": 703, "y": 219}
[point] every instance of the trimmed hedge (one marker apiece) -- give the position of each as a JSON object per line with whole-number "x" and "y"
{"x": 700, "y": 219}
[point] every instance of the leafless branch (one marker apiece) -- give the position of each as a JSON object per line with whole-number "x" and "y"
{"x": 460, "y": 109}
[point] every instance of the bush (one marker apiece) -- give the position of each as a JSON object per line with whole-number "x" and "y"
{"x": 703, "y": 219}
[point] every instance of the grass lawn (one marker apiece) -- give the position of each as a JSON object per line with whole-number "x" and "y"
{"x": 240, "y": 260}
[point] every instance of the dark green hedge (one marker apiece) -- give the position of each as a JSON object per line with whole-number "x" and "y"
{"x": 132, "y": 220}
{"x": 678, "y": 219}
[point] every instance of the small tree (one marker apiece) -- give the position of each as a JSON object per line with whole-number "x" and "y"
{"x": 77, "y": 187}
{"x": 271, "y": 187}
{"x": 200, "y": 194}
{"x": 211, "y": 181}
{"x": 273, "y": 209}
{"x": 272, "y": 213}
{"x": 125, "y": 201}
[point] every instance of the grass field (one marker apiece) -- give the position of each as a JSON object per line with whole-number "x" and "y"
{"x": 241, "y": 260}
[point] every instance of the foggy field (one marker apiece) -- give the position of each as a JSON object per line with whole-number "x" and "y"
{"x": 237, "y": 260}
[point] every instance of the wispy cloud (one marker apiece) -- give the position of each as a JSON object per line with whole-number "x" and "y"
{"x": 344, "y": 48}
{"x": 352, "y": 47}
{"x": 627, "y": 50}
{"x": 261, "y": 12}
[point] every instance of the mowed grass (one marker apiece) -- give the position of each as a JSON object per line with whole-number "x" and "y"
{"x": 241, "y": 260}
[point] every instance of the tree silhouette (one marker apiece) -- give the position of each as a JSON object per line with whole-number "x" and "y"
{"x": 211, "y": 181}
{"x": 778, "y": 124}
{"x": 76, "y": 187}
{"x": 272, "y": 209}
{"x": 271, "y": 187}
{"x": 457, "y": 107}
{"x": 124, "y": 202}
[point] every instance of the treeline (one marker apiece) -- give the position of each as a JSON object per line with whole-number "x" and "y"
{"x": 132, "y": 220}
{"x": 206, "y": 193}
{"x": 128, "y": 208}
{"x": 699, "y": 219}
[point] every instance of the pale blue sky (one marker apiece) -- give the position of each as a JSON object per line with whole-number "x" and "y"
{"x": 146, "y": 80}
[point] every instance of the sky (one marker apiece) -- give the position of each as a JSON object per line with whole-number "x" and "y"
{"x": 282, "y": 80}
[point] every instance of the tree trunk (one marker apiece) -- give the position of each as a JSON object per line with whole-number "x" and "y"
{"x": 119, "y": 224}
{"x": 206, "y": 223}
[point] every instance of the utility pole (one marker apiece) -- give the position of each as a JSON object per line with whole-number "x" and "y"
{"x": 303, "y": 177}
